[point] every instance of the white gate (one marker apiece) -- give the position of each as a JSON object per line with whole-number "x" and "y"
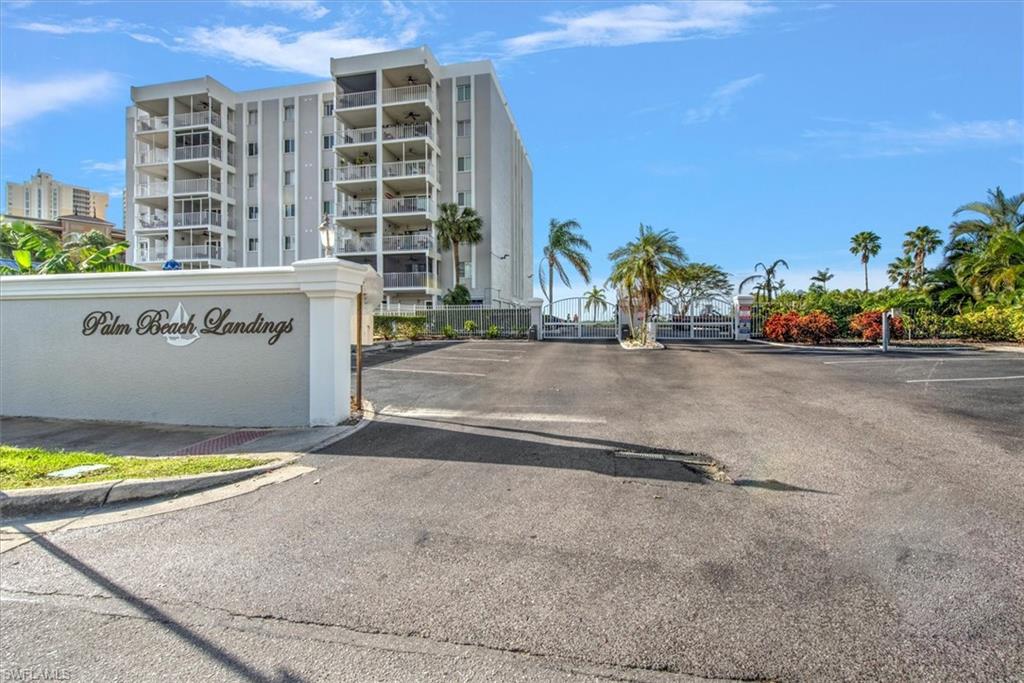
{"x": 705, "y": 318}
{"x": 577, "y": 318}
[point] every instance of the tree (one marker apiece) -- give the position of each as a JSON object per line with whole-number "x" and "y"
{"x": 865, "y": 244}
{"x": 594, "y": 299}
{"x": 902, "y": 271}
{"x": 693, "y": 281}
{"x": 765, "y": 282}
{"x": 996, "y": 267}
{"x": 39, "y": 250}
{"x": 998, "y": 214}
{"x": 456, "y": 296}
{"x": 564, "y": 242}
{"x": 822, "y": 277}
{"x": 457, "y": 225}
{"x": 639, "y": 269}
{"x": 920, "y": 242}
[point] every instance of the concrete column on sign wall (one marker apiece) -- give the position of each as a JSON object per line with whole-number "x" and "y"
{"x": 742, "y": 311}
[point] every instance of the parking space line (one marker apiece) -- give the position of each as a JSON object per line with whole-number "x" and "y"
{"x": 486, "y": 360}
{"x": 918, "y": 360}
{"x": 431, "y": 372}
{"x": 964, "y": 379}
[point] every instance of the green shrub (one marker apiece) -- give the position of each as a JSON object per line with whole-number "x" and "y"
{"x": 926, "y": 324}
{"x": 469, "y": 326}
{"x": 456, "y": 296}
{"x": 448, "y": 331}
{"x": 994, "y": 323}
{"x": 493, "y": 332}
{"x": 411, "y": 328}
{"x": 399, "y": 326}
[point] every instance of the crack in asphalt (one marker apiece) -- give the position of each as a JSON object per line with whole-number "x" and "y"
{"x": 547, "y": 659}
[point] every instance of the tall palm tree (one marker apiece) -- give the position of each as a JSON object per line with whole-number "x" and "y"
{"x": 902, "y": 271}
{"x": 998, "y": 266}
{"x": 920, "y": 242}
{"x": 564, "y": 242}
{"x": 865, "y": 244}
{"x": 594, "y": 299}
{"x": 639, "y": 268}
{"x": 766, "y": 281}
{"x": 457, "y": 225}
{"x": 999, "y": 213}
{"x": 822, "y": 277}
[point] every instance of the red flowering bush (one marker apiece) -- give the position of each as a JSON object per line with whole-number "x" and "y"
{"x": 814, "y": 328}
{"x": 869, "y": 325}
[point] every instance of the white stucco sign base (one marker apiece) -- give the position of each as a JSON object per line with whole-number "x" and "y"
{"x": 233, "y": 347}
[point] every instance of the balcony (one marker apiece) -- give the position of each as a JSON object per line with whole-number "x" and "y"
{"x": 191, "y": 152}
{"x": 153, "y": 155}
{"x": 350, "y": 100}
{"x": 149, "y": 124}
{"x": 403, "y": 169}
{"x": 410, "y": 281}
{"x": 359, "y": 207}
{"x": 198, "y": 218}
{"x": 405, "y": 131}
{"x": 156, "y": 188}
{"x": 423, "y": 242}
{"x": 356, "y": 245}
{"x": 408, "y": 93}
{"x": 150, "y": 253}
{"x": 356, "y": 172}
{"x": 198, "y": 252}
{"x": 198, "y": 118}
{"x": 151, "y": 222}
{"x": 412, "y": 204}
{"x": 197, "y": 186}
{"x": 357, "y": 136}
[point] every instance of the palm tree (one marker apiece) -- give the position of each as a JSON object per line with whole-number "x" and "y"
{"x": 39, "y": 250}
{"x": 455, "y": 227}
{"x": 998, "y": 266}
{"x": 866, "y": 244}
{"x": 902, "y": 271}
{"x": 920, "y": 242}
{"x": 766, "y": 281}
{"x": 999, "y": 213}
{"x": 564, "y": 242}
{"x": 594, "y": 299}
{"x": 639, "y": 269}
{"x": 822, "y": 277}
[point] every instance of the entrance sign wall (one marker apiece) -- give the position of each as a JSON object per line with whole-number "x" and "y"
{"x": 233, "y": 347}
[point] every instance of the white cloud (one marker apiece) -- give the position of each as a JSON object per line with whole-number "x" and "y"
{"x": 636, "y": 24}
{"x": 73, "y": 26}
{"x": 21, "y": 101}
{"x": 883, "y": 139}
{"x": 308, "y": 9}
{"x": 104, "y": 166}
{"x": 146, "y": 38}
{"x": 721, "y": 100}
{"x": 278, "y": 48}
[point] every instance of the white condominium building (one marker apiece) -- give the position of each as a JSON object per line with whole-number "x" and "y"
{"x": 218, "y": 178}
{"x": 47, "y": 199}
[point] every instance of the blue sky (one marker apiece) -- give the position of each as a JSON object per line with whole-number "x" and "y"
{"x": 755, "y": 130}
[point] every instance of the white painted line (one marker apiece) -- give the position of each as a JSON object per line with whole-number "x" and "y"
{"x": 919, "y": 360}
{"x": 441, "y": 413}
{"x": 458, "y": 358}
{"x": 431, "y": 372}
{"x": 965, "y": 379}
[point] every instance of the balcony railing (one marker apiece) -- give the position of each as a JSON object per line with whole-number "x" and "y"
{"x": 150, "y": 254}
{"x": 197, "y": 118}
{"x": 356, "y": 136}
{"x": 153, "y": 155}
{"x": 156, "y": 188}
{"x": 196, "y": 185}
{"x": 408, "y": 242}
{"x": 356, "y": 245}
{"x": 197, "y": 218}
{"x": 413, "y": 204}
{"x": 404, "y": 131}
{"x": 196, "y": 152}
{"x": 360, "y": 207}
{"x": 197, "y": 252}
{"x": 408, "y": 93}
{"x": 356, "y": 172}
{"x": 400, "y": 169}
{"x": 357, "y": 99}
{"x": 151, "y": 223}
{"x": 410, "y": 280}
{"x": 145, "y": 124}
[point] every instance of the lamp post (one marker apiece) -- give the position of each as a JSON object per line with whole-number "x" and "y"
{"x": 326, "y": 237}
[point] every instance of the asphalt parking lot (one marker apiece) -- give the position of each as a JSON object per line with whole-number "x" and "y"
{"x": 542, "y": 510}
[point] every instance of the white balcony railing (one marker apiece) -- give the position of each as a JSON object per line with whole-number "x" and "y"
{"x": 357, "y": 136}
{"x": 197, "y": 252}
{"x": 412, "y": 204}
{"x": 196, "y": 152}
{"x": 409, "y": 280}
{"x": 155, "y": 188}
{"x": 197, "y": 118}
{"x": 150, "y": 253}
{"x": 423, "y": 242}
{"x": 146, "y": 124}
{"x": 356, "y": 245}
{"x": 357, "y": 99}
{"x": 400, "y": 169}
{"x": 151, "y": 222}
{"x": 408, "y": 93}
{"x": 197, "y": 218}
{"x": 359, "y": 207}
{"x": 196, "y": 186}
{"x": 404, "y": 131}
{"x": 151, "y": 155}
{"x": 356, "y": 172}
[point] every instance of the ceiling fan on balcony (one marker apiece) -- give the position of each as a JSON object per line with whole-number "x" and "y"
{"x": 412, "y": 116}
{"x": 411, "y": 80}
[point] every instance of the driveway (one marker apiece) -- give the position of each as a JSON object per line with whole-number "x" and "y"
{"x": 508, "y": 515}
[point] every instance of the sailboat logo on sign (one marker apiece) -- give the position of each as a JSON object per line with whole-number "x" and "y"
{"x": 180, "y": 320}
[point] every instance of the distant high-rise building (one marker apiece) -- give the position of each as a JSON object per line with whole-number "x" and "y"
{"x": 47, "y": 199}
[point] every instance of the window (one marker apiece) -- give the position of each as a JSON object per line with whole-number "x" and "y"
{"x": 463, "y": 92}
{"x": 289, "y": 211}
{"x": 289, "y": 178}
{"x": 328, "y": 207}
{"x": 254, "y": 212}
{"x": 254, "y": 243}
{"x": 252, "y": 117}
{"x": 289, "y": 145}
{"x": 251, "y": 180}
{"x": 329, "y": 141}
{"x": 288, "y": 243}
{"x": 329, "y": 108}
{"x": 289, "y": 112}
{"x": 465, "y": 163}
{"x": 464, "y": 199}
{"x": 254, "y": 149}
{"x": 462, "y": 128}
{"x": 328, "y": 174}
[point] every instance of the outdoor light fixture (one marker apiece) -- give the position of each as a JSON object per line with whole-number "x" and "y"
{"x": 326, "y": 236}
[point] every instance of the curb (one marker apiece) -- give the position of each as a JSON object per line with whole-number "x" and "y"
{"x": 869, "y": 347}
{"x": 23, "y": 502}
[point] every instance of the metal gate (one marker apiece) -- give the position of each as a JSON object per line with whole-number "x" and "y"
{"x": 706, "y": 318}
{"x": 578, "y": 318}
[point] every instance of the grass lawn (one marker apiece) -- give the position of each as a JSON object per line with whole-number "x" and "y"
{"x": 27, "y": 467}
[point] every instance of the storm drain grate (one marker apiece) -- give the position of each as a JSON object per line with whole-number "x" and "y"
{"x": 219, "y": 443}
